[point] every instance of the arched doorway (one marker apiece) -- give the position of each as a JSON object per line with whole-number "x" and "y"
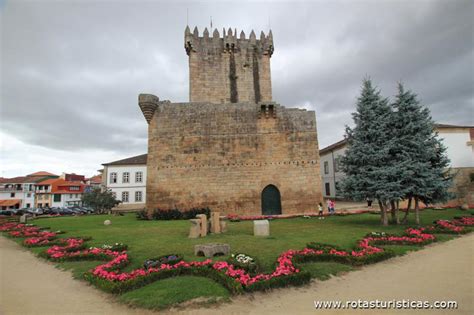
{"x": 271, "y": 201}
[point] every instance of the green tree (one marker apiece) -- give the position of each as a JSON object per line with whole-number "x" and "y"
{"x": 370, "y": 170}
{"x": 420, "y": 154}
{"x": 100, "y": 201}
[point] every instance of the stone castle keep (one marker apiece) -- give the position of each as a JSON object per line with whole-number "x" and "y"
{"x": 231, "y": 148}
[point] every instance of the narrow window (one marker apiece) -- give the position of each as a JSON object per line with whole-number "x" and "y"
{"x": 126, "y": 177}
{"x": 328, "y": 190}
{"x": 113, "y": 178}
{"x": 138, "y": 196}
{"x": 326, "y": 167}
{"x": 125, "y": 196}
{"x": 138, "y": 177}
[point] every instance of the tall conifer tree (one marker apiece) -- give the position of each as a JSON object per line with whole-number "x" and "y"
{"x": 420, "y": 154}
{"x": 369, "y": 168}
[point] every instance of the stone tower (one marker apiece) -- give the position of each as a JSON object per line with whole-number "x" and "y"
{"x": 231, "y": 148}
{"x": 229, "y": 69}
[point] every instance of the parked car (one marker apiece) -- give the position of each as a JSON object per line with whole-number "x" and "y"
{"x": 88, "y": 209}
{"x": 7, "y": 212}
{"x": 65, "y": 211}
{"x": 21, "y": 211}
{"x": 37, "y": 211}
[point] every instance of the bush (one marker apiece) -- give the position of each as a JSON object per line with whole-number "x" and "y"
{"x": 142, "y": 215}
{"x": 295, "y": 279}
{"x": 251, "y": 267}
{"x": 164, "y": 259}
{"x": 173, "y": 214}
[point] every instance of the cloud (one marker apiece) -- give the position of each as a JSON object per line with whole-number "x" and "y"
{"x": 72, "y": 70}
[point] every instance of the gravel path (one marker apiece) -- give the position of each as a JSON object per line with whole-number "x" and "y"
{"x": 439, "y": 272}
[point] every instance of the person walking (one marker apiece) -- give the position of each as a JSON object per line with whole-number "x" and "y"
{"x": 320, "y": 208}
{"x": 369, "y": 202}
{"x": 333, "y": 206}
{"x": 328, "y": 203}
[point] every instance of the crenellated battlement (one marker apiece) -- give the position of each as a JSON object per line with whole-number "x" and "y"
{"x": 227, "y": 68}
{"x": 228, "y": 42}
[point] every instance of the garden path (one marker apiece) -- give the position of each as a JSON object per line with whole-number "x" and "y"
{"x": 439, "y": 272}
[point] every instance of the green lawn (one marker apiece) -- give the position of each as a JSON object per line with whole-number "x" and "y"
{"x": 148, "y": 239}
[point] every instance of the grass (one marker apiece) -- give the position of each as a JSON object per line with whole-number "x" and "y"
{"x": 147, "y": 239}
{"x": 168, "y": 292}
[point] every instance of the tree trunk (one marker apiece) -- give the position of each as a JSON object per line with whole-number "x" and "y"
{"x": 405, "y": 218}
{"x": 417, "y": 211}
{"x": 383, "y": 213}
{"x": 394, "y": 212}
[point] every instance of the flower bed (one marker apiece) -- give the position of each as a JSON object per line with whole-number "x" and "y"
{"x": 237, "y": 218}
{"x": 244, "y": 261}
{"x": 165, "y": 259}
{"x": 231, "y": 274}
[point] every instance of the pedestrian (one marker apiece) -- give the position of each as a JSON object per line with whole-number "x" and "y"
{"x": 369, "y": 202}
{"x": 320, "y": 208}
{"x": 328, "y": 203}
{"x": 333, "y": 207}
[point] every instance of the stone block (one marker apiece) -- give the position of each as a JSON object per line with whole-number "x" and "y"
{"x": 195, "y": 229}
{"x": 204, "y": 224}
{"x": 215, "y": 223}
{"x": 211, "y": 249}
{"x": 261, "y": 228}
{"x": 23, "y": 219}
{"x": 223, "y": 224}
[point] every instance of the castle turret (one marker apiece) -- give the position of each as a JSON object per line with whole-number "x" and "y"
{"x": 228, "y": 69}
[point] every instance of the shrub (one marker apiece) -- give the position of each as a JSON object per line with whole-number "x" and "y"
{"x": 175, "y": 214}
{"x": 239, "y": 260}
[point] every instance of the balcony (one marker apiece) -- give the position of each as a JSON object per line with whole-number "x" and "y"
{"x": 11, "y": 189}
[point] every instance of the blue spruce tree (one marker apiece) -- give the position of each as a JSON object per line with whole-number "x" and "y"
{"x": 420, "y": 154}
{"x": 370, "y": 169}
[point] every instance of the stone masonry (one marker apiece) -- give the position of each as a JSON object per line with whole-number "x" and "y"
{"x": 221, "y": 154}
{"x": 229, "y": 69}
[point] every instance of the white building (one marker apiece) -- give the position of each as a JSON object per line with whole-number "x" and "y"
{"x": 127, "y": 180}
{"x": 19, "y": 192}
{"x": 459, "y": 141}
{"x": 331, "y": 174}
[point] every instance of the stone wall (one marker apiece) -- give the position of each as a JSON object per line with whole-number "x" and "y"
{"x": 229, "y": 69}
{"x": 223, "y": 156}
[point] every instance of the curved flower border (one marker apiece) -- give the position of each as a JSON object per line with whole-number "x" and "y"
{"x": 110, "y": 277}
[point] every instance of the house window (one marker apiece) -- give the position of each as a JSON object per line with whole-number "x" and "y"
{"x": 12, "y": 195}
{"x": 126, "y": 177}
{"x": 28, "y": 205}
{"x": 114, "y": 194}
{"x": 57, "y": 198}
{"x": 113, "y": 178}
{"x": 70, "y": 196}
{"x": 138, "y": 196}
{"x": 75, "y": 188}
{"x": 337, "y": 164}
{"x": 138, "y": 177}
{"x": 77, "y": 196}
{"x": 125, "y": 196}
{"x": 326, "y": 167}
{"x": 28, "y": 195}
{"x": 327, "y": 188}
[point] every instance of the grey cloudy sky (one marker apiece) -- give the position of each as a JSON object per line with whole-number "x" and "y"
{"x": 71, "y": 71}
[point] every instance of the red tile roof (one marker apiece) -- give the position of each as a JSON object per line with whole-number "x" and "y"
{"x": 96, "y": 179}
{"x": 42, "y": 173}
{"x": 9, "y": 202}
{"x": 49, "y": 181}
